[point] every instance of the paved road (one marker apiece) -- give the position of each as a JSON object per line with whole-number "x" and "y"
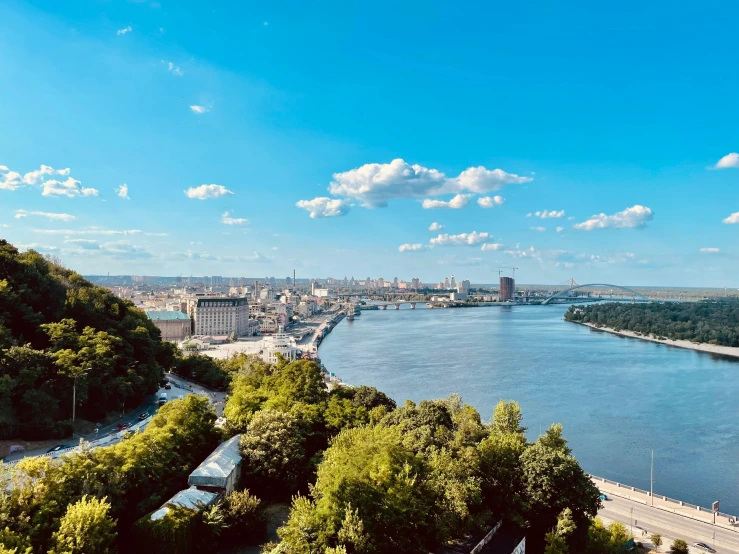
{"x": 180, "y": 387}
{"x": 653, "y": 520}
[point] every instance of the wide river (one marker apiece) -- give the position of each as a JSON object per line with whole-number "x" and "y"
{"x": 618, "y": 398}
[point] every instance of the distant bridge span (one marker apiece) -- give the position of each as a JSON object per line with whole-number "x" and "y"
{"x": 565, "y": 293}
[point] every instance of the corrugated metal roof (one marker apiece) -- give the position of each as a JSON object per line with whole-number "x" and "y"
{"x": 188, "y": 498}
{"x": 216, "y": 468}
{"x": 167, "y": 316}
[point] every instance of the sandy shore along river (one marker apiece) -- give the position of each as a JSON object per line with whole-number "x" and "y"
{"x": 701, "y": 347}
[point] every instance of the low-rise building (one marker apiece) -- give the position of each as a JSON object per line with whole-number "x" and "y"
{"x": 220, "y": 316}
{"x": 221, "y": 470}
{"x": 174, "y": 326}
{"x": 279, "y": 343}
{"x": 189, "y": 498}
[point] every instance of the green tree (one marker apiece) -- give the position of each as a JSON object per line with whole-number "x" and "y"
{"x": 86, "y": 528}
{"x": 500, "y": 468}
{"x": 507, "y": 418}
{"x": 656, "y": 540}
{"x": 273, "y": 455}
{"x": 679, "y": 546}
{"x": 555, "y": 544}
{"x": 244, "y": 521}
{"x": 553, "y": 439}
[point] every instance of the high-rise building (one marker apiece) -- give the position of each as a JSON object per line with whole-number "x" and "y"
{"x": 507, "y": 288}
{"x": 446, "y": 282}
{"x": 463, "y": 287}
{"x": 416, "y": 283}
{"x": 452, "y": 283}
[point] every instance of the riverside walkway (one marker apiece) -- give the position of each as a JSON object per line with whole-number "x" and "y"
{"x": 671, "y": 518}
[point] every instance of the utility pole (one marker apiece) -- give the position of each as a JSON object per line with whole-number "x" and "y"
{"x": 651, "y": 480}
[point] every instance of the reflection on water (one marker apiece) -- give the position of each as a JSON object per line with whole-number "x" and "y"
{"x": 617, "y": 398}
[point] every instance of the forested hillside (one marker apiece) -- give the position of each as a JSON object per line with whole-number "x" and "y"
{"x": 54, "y": 325}
{"x": 713, "y": 322}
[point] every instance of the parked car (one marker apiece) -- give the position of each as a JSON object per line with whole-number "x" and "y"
{"x": 703, "y": 546}
{"x": 144, "y": 416}
{"x": 57, "y": 448}
{"x": 167, "y": 386}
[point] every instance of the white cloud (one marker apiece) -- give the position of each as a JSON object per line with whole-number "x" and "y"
{"x": 173, "y": 69}
{"x": 199, "y": 109}
{"x": 710, "y": 250}
{"x": 635, "y": 216}
{"x": 122, "y": 191}
{"x": 228, "y": 220}
{"x": 547, "y": 214}
{"x": 491, "y": 247}
{"x": 560, "y": 229}
{"x": 38, "y": 175}
{"x": 70, "y": 188}
{"x": 204, "y": 192}
{"x": 732, "y": 219}
{"x": 489, "y": 202}
{"x": 85, "y": 244}
{"x": 462, "y": 239}
{"x": 730, "y": 160}
{"x": 436, "y": 226}
{"x": 9, "y": 180}
{"x": 88, "y": 231}
{"x": 539, "y": 229}
{"x": 323, "y": 206}
{"x": 49, "y": 215}
{"x": 459, "y": 201}
{"x": 373, "y": 185}
{"x": 530, "y": 253}
{"x": 124, "y": 31}
{"x": 410, "y": 247}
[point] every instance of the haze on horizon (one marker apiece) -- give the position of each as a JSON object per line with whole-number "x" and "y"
{"x": 414, "y": 140}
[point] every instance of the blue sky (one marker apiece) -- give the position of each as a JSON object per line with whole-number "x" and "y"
{"x": 254, "y": 138}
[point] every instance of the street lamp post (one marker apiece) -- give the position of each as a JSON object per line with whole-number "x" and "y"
{"x": 631, "y": 520}
{"x": 74, "y": 390}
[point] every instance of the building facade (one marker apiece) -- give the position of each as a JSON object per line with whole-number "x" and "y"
{"x": 507, "y": 288}
{"x": 221, "y": 316}
{"x": 279, "y": 343}
{"x": 174, "y": 326}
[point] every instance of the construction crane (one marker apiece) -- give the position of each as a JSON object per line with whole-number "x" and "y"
{"x": 511, "y": 268}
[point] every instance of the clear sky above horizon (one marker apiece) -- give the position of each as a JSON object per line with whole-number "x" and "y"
{"x": 413, "y": 139}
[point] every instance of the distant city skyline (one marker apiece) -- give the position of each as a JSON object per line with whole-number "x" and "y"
{"x": 145, "y": 137}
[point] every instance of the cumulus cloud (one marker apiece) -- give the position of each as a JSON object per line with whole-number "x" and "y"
{"x": 730, "y": 160}
{"x": 468, "y": 239}
{"x": 491, "y": 247}
{"x": 122, "y": 191}
{"x": 544, "y": 214}
{"x": 531, "y": 252}
{"x": 38, "y": 175}
{"x": 69, "y": 187}
{"x": 199, "y": 109}
{"x": 539, "y": 229}
{"x": 490, "y": 201}
{"x": 228, "y": 220}
{"x": 436, "y": 226}
{"x": 324, "y": 207}
{"x": 410, "y": 247}
{"x": 635, "y": 216}
{"x": 205, "y": 192}
{"x": 459, "y": 201}
{"x": 49, "y": 215}
{"x": 124, "y": 31}
{"x": 11, "y": 180}
{"x": 373, "y": 185}
{"x": 733, "y": 219}
{"x": 710, "y": 250}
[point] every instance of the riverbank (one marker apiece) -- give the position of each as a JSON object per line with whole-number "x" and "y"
{"x": 731, "y": 351}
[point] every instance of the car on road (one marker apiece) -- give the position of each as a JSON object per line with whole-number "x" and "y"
{"x": 703, "y": 546}
{"x": 167, "y": 386}
{"x": 57, "y": 448}
{"x": 603, "y": 496}
{"x": 144, "y": 416}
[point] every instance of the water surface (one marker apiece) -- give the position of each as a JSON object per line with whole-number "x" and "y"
{"x": 618, "y": 398}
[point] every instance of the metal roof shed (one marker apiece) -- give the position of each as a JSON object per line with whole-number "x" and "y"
{"x": 188, "y": 498}
{"x": 221, "y": 470}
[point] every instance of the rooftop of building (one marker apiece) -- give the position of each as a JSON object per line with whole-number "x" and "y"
{"x": 188, "y": 498}
{"x": 219, "y": 465}
{"x": 167, "y": 316}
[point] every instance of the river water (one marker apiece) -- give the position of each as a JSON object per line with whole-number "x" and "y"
{"x": 618, "y": 398}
